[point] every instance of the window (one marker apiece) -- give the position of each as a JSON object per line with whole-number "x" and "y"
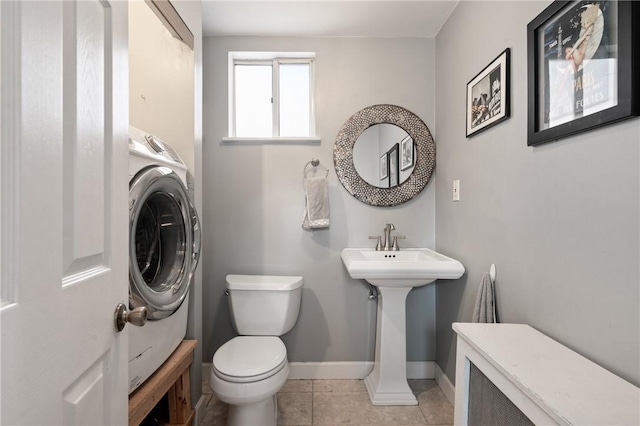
{"x": 271, "y": 95}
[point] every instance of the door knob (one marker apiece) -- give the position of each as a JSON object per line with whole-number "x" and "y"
{"x": 137, "y": 316}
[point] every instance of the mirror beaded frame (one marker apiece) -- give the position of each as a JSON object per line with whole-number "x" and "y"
{"x": 425, "y": 159}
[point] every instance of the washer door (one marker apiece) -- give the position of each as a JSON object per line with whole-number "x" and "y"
{"x": 162, "y": 247}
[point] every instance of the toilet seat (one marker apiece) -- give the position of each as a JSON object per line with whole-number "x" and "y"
{"x": 246, "y": 359}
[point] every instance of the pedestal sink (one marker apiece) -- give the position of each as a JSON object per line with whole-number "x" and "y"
{"x": 395, "y": 273}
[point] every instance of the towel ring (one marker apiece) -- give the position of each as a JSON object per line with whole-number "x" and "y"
{"x": 315, "y": 163}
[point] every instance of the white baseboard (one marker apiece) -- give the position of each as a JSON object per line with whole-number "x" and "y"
{"x": 445, "y": 384}
{"x": 354, "y": 370}
{"x": 420, "y": 369}
{"x": 200, "y": 409}
{"x": 330, "y": 370}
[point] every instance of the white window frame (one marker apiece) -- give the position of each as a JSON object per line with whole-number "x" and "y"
{"x": 274, "y": 59}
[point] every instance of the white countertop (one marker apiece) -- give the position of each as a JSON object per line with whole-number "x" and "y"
{"x": 567, "y": 386}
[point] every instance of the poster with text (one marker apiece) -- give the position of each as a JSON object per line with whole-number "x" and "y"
{"x": 579, "y": 48}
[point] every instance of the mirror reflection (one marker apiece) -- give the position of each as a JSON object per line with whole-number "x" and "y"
{"x": 384, "y": 155}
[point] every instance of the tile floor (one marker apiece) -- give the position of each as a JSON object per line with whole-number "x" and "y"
{"x": 338, "y": 402}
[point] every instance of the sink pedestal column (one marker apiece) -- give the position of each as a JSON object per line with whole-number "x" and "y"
{"x": 387, "y": 383}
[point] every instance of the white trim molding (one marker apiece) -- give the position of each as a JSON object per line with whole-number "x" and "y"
{"x": 330, "y": 370}
{"x": 421, "y": 370}
{"x": 353, "y": 370}
{"x": 275, "y": 140}
{"x": 445, "y": 384}
{"x": 201, "y": 406}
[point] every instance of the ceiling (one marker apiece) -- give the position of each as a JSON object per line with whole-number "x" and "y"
{"x": 328, "y": 18}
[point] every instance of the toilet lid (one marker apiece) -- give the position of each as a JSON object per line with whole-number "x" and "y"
{"x": 249, "y": 358}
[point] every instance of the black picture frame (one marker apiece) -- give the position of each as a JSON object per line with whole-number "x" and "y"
{"x": 408, "y": 153}
{"x": 394, "y": 165}
{"x": 583, "y": 68}
{"x": 489, "y": 94}
{"x": 384, "y": 166}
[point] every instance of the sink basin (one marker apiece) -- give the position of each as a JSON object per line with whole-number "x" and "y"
{"x": 395, "y": 273}
{"x": 412, "y": 267}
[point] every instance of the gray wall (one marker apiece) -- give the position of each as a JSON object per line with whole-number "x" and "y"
{"x": 560, "y": 221}
{"x": 191, "y": 13}
{"x": 253, "y": 198}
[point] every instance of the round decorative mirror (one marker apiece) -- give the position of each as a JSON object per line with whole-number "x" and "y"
{"x": 384, "y": 155}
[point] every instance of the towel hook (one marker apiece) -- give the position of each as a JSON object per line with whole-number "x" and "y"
{"x": 315, "y": 163}
{"x": 492, "y": 273}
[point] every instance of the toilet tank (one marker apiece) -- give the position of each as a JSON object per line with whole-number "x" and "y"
{"x": 263, "y": 305}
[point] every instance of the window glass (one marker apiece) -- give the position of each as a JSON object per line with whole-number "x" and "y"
{"x": 294, "y": 99}
{"x": 253, "y": 115}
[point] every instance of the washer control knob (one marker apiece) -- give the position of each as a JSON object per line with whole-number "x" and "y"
{"x": 137, "y": 316}
{"x": 154, "y": 143}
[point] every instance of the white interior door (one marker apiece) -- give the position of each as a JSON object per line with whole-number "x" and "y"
{"x": 64, "y": 192}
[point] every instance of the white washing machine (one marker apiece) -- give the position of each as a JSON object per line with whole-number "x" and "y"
{"x": 164, "y": 249}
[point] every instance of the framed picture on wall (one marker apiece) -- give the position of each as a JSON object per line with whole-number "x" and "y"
{"x": 488, "y": 95}
{"x": 581, "y": 71}
{"x": 394, "y": 171}
{"x": 406, "y": 147}
{"x": 384, "y": 166}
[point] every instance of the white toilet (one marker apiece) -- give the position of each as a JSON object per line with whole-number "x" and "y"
{"x": 249, "y": 369}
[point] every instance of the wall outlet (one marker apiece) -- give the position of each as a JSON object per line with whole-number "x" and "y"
{"x": 456, "y": 190}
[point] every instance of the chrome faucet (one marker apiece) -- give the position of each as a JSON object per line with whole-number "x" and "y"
{"x": 387, "y": 236}
{"x": 387, "y": 245}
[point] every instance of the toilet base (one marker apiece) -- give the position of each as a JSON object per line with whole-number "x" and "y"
{"x": 262, "y": 413}
{"x": 250, "y": 403}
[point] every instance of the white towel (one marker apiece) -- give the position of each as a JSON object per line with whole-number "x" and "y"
{"x": 316, "y": 203}
{"x": 485, "y": 309}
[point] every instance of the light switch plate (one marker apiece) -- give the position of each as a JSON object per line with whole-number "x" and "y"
{"x": 456, "y": 190}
